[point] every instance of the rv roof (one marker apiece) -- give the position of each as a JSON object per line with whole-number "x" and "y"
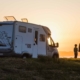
{"x": 11, "y": 22}
{"x": 7, "y": 22}
{"x": 47, "y": 30}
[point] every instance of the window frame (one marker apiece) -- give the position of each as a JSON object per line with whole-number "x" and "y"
{"x": 42, "y": 37}
{"x": 50, "y": 41}
{"x": 22, "y": 30}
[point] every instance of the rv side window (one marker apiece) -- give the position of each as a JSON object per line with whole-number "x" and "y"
{"x": 42, "y": 37}
{"x": 22, "y": 29}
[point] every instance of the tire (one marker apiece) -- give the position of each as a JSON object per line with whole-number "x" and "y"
{"x": 25, "y": 56}
{"x": 55, "y": 56}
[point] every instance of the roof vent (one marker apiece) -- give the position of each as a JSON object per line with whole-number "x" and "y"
{"x": 10, "y": 18}
{"x": 24, "y": 20}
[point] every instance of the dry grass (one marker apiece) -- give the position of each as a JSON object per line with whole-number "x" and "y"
{"x": 39, "y": 69}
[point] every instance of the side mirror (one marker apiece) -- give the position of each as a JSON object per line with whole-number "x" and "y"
{"x": 57, "y": 44}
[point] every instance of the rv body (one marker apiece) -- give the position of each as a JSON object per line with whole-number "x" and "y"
{"x": 26, "y": 40}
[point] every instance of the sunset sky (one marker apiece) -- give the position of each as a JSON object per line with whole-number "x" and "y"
{"x": 61, "y": 16}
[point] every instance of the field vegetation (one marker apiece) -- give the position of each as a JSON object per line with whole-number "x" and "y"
{"x": 43, "y": 68}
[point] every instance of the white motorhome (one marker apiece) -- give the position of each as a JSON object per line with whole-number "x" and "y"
{"x": 26, "y": 40}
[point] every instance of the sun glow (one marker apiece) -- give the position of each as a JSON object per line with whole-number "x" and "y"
{"x": 49, "y": 41}
{"x": 55, "y": 30}
{"x": 55, "y": 33}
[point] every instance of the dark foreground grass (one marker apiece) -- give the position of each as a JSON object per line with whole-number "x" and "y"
{"x": 39, "y": 69}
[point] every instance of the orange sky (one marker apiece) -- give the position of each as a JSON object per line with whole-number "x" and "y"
{"x": 61, "y": 16}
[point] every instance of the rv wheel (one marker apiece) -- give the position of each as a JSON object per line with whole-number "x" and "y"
{"x": 26, "y": 56}
{"x": 56, "y": 56}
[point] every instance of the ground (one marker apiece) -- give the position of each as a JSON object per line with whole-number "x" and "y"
{"x": 43, "y": 68}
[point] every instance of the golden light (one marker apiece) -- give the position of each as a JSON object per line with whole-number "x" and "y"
{"x": 55, "y": 37}
{"x": 55, "y": 33}
{"x": 49, "y": 41}
{"x": 55, "y": 30}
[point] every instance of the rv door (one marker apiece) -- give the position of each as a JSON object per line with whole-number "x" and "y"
{"x": 18, "y": 45}
{"x": 35, "y": 43}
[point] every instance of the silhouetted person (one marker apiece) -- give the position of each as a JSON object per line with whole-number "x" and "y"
{"x": 75, "y": 51}
{"x": 79, "y": 47}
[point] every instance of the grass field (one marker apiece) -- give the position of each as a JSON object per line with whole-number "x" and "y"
{"x": 39, "y": 69}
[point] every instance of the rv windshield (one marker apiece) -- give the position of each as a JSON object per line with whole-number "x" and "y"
{"x": 50, "y": 41}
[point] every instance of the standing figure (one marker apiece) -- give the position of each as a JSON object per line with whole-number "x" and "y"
{"x": 79, "y": 47}
{"x": 75, "y": 51}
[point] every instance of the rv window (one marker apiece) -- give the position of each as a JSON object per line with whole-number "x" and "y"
{"x": 22, "y": 29}
{"x": 50, "y": 41}
{"x": 42, "y": 37}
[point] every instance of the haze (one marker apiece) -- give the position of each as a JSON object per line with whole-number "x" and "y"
{"x": 61, "y": 16}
